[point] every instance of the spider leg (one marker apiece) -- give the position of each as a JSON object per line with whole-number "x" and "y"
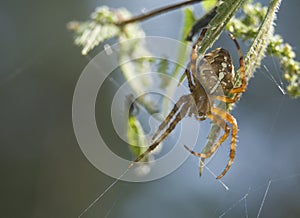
{"x": 220, "y": 122}
{"x": 230, "y": 119}
{"x": 190, "y": 82}
{"x": 171, "y": 127}
{"x": 243, "y": 86}
{"x": 218, "y": 117}
{"x": 226, "y": 99}
{"x": 180, "y": 102}
{"x": 192, "y": 65}
{"x": 194, "y": 56}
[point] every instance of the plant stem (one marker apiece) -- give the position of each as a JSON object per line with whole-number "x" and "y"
{"x": 157, "y": 12}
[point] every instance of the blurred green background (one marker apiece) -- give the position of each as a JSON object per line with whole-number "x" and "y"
{"x": 45, "y": 174}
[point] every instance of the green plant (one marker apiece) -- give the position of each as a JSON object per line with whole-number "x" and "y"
{"x": 255, "y": 25}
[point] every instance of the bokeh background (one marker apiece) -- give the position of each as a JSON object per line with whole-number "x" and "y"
{"x": 45, "y": 174}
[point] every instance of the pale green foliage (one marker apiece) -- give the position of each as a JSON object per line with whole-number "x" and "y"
{"x": 136, "y": 137}
{"x": 134, "y": 58}
{"x": 247, "y": 26}
{"x": 207, "y": 5}
{"x": 91, "y": 33}
{"x": 262, "y": 39}
{"x": 189, "y": 20}
{"x": 104, "y": 25}
{"x": 225, "y": 11}
{"x": 253, "y": 59}
{"x": 254, "y": 25}
{"x": 291, "y": 68}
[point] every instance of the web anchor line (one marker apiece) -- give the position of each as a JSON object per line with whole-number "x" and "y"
{"x": 103, "y": 193}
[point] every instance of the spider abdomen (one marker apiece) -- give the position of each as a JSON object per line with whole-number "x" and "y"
{"x": 216, "y": 72}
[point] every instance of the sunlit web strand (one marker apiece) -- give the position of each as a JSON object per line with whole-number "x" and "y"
{"x": 271, "y": 77}
{"x": 212, "y": 173}
{"x": 235, "y": 204}
{"x": 264, "y": 199}
{"x": 103, "y": 193}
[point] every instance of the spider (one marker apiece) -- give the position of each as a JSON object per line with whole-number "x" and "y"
{"x": 205, "y": 84}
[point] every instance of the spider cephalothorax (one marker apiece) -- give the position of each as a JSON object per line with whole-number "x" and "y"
{"x": 210, "y": 78}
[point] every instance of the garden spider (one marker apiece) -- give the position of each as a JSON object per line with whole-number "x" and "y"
{"x": 205, "y": 85}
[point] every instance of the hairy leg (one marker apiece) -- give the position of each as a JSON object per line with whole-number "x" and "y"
{"x": 230, "y": 119}
{"x": 220, "y": 122}
{"x": 171, "y": 127}
{"x": 184, "y": 99}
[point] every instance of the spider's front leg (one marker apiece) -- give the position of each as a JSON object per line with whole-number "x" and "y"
{"x": 194, "y": 56}
{"x": 182, "y": 113}
{"x": 190, "y": 82}
{"x": 182, "y": 100}
{"x": 190, "y": 71}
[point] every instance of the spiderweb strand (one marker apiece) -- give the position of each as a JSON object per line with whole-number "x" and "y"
{"x": 272, "y": 78}
{"x": 214, "y": 175}
{"x": 264, "y": 199}
{"x": 235, "y": 204}
{"x": 103, "y": 193}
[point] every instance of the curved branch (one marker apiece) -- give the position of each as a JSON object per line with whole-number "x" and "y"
{"x": 157, "y": 12}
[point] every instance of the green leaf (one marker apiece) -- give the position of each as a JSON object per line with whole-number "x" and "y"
{"x": 207, "y": 5}
{"x": 253, "y": 59}
{"x": 135, "y": 59}
{"x": 225, "y": 12}
{"x": 136, "y": 137}
{"x": 91, "y": 33}
{"x": 246, "y": 27}
{"x": 259, "y": 45}
{"x": 291, "y": 68}
{"x": 189, "y": 20}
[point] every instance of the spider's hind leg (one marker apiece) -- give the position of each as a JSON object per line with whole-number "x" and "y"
{"x": 230, "y": 119}
{"x": 220, "y": 122}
